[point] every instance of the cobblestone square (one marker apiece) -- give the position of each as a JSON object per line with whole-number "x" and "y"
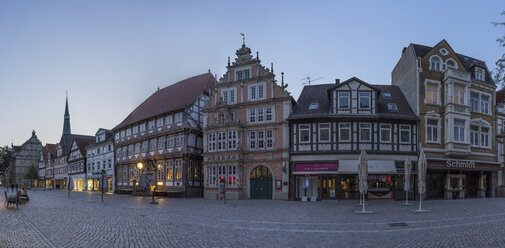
{"x": 52, "y": 219}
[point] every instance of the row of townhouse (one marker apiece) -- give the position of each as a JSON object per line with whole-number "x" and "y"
{"x": 246, "y": 132}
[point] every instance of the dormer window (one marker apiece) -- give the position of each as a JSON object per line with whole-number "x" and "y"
{"x": 364, "y": 100}
{"x": 314, "y": 106}
{"x": 343, "y": 100}
{"x": 387, "y": 95}
{"x": 479, "y": 74}
{"x": 392, "y": 107}
{"x": 435, "y": 62}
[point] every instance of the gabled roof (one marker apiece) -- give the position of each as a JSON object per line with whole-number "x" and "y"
{"x": 171, "y": 98}
{"x": 320, "y": 94}
{"x": 49, "y": 149}
{"x": 353, "y": 79}
{"x": 82, "y": 142}
{"x": 467, "y": 61}
{"x": 66, "y": 142}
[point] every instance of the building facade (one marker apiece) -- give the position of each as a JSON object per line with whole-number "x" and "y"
{"x": 100, "y": 159}
{"x": 332, "y": 123}
{"x": 246, "y": 134}
{"x": 46, "y": 155}
{"x": 164, "y": 134}
{"x": 24, "y": 156}
{"x": 77, "y": 162}
{"x": 453, "y": 96}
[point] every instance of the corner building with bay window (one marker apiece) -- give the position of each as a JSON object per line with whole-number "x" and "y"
{"x": 164, "y": 133}
{"x": 332, "y": 123}
{"x": 454, "y": 97}
{"x": 246, "y": 134}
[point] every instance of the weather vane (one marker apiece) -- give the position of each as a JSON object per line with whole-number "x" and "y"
{"x": 243, "y": 38}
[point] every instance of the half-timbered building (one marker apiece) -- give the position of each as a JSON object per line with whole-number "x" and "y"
{"x": 332, "y": 123}
{"x": 77, "y": 162}
{"x": 164, "y": 134}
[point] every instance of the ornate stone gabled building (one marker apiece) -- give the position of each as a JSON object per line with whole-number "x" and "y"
{"x": 246, "y": 134}
{"x": 164, "y": 133}
{"x": 24, "y": 156}
{"x": 453, "y": 96}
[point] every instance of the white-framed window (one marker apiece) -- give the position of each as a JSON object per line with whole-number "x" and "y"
{"x": 160, "y": 171}
{"x": 161, "y": 142}
{"x": 135, "y": 129}
{"x": 178, "y": 117}
{"x": 179, "y": 140}
{"x": 170, "y": 169}
{"x": 257, "y": 92}
{"x": 212, "y": 176}
{"x": 145, "y": 144}
{"x": 128, "y": 132}
{"x": 169, "y": 119}
{"x": 122, "y": 133}
{"x": 435, "y": 63}
{"x": 152, "y": 144}
{"x": 479, "y": 136}
{"x": 324, "y": 132}
{"x": 221, "y": 141}
{"x": 479, "y": 74}
{"x": 243, "y": 75}
{"x": 474, "y": 101}
{"x": 364, "y": 100}
{"x": 365, "y": 133}
{"x": 261, "y": 116}
{"x": 232, "y": 175}
{"x": 450, "y": 63}
{"x": 484, "y": 104}
{"x": 475, "y": 135}
{"x": 344, "y": 100}
{"x": 151, "y": 124}
{"x": 261, "y": 139}
{"x": 252, "y": 115}
{"x": 130, "y": 149}
{"x": 109, "y": 163}
{"x": 484, "y": 136}
{"x": 432, "y": 93}
{"x": 142, "y": 127}
{"x": 232, "y": 140}
{"x": 385, "y": 133}
{"x": 304, "y": 131}
{"x": 116, "y": 137}
{"x": 178, "y": 170}
{"x": 229, "y": 95}
{"x": 459, "y": 130}
{"x": 344, "y": 132}
{"x": 252, "y": 140}
{"x": 212, "y": 142}
{"x": 159, "y": 122}
{"x": 170, "y": 141}
{"x": 405, "y": 134}
{"x": 268, "y": 114}
{"x": 270, "y": 138}
{"x": 459, "y": 94}
{"x": 432, "y": 130}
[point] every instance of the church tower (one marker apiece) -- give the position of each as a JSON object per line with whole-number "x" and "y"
{"x": 66, "y": 122}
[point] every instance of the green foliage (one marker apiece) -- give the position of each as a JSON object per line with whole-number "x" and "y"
{"x": 5, "y": 159}
{"x": 32, "y": 173}
{"x": 499, "y": 72}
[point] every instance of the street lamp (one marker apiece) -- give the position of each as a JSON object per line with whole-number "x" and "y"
{"x": 140, "y": 166}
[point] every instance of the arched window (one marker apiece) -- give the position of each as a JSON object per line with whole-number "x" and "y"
{"x": 451, "y": 64}
{"x": 261, "y": 171}
{"x": 435, "y": 63}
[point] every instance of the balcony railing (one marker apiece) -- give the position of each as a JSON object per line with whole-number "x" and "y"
{"x": 453, "y": 73}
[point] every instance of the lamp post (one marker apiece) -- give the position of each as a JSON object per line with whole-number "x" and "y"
{"x": 140, "y": 166}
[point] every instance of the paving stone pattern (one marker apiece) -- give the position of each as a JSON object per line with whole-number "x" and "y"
{"x": 52, "y": 219}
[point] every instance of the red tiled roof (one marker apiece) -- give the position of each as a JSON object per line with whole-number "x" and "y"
{"x": 82, "y": 142}
{"x": 500, "y": 96}
{"x": 176, "y": 96}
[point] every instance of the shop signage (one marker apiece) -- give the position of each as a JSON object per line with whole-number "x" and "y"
{"x": 460, "y": 164}
{"x": 317, "y": 167}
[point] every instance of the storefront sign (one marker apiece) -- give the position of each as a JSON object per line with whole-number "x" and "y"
{"x": 460, "y": 164}
{"x": 317, "y": 167}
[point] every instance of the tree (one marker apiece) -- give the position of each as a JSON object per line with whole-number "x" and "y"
{"x": 5, "y": 160}
{"x": 499, "y": 73}
{"x": 32, "y": 174}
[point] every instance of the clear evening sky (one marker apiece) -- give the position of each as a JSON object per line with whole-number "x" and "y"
{"x": 111, "y": 55}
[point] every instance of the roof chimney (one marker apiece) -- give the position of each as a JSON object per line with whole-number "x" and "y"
{"x": 404, "y": 49}
{"x": 337, "y": 80}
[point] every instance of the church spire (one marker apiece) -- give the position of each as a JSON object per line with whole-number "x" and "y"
{"x": 66, "y": 121}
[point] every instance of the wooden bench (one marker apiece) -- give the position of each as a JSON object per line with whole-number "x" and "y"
{"x": 12, "y": 199}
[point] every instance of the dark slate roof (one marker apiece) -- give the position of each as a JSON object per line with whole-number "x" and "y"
{"x": 174, "y": 97}
{"x": 468, "y": 62}
{"x": 49, "y": 149}
{"x": 320, "y": 94}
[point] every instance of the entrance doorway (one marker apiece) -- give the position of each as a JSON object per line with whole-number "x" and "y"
{"x": 329, "y": 187}
{"x": 261, "y": 183}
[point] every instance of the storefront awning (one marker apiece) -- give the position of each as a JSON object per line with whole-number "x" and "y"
{"x": 374, "y": 167}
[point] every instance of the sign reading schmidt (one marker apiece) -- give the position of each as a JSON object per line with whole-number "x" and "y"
{"x": 460, "y": 164}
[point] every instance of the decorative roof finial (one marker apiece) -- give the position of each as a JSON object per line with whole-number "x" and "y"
{"x": 282, "y": 79}
{"x": 228, "y": 60}
{"x": 243, "y": 39}
{"x": 272, "y": 67}
{"x": 257, "y": 55}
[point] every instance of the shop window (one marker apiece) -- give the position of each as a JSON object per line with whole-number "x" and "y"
{"x": 178, "y": 170}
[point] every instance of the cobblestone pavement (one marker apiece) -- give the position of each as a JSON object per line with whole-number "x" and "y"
{"x": 52, "y": 219}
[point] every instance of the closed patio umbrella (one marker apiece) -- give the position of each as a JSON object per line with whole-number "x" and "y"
{"x": 421, "y": 182}
{"x": 406, "y": 183}
{"x": 363, "y": 175}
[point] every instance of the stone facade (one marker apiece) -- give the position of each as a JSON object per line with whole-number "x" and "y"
{"x": 24, "y": 156}
{"x": 456, "y": 110}
{"x": 246, "y": 137}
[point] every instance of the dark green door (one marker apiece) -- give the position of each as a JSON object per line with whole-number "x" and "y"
{"x": 261, "y": 183}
